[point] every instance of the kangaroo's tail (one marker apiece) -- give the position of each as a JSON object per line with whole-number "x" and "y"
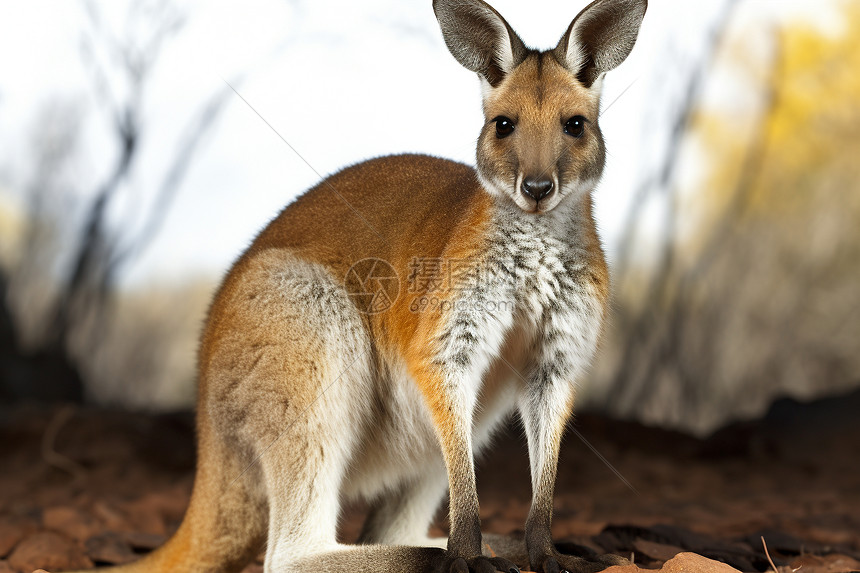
{"x": 225, "y": 525}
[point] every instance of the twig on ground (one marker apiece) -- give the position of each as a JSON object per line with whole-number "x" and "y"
{"x": 767, "y": 554}
{"x": 51, "y": 456}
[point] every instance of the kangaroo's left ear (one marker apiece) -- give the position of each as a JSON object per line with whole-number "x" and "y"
{"x": 479, "y": 38}
{"x": 600, "y": 38}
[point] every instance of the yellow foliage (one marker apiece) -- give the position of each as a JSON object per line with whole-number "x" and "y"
{"x": 811, "y": 123}
{"x": 11, "y": 224}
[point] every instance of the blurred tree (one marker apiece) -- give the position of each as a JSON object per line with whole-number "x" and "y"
{"x": 62, "y": 281}
{"x": 760, "y": 298}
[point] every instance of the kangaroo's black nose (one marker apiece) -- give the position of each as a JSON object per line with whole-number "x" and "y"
{"x": 536, "y": 188}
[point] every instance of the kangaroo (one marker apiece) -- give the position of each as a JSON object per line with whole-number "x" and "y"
{"x": 378, "y": 331}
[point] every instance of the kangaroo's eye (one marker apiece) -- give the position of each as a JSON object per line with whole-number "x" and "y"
{"x": 575, "y": 126}
{"x": 504, "y": 126}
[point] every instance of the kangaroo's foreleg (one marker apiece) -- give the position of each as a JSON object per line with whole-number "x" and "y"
{"x": 545, "y": 407}
{"x": 452, "y": 405}
{"x": 449, "y": 378}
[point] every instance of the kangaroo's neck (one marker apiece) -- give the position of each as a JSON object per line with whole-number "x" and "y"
{"x": 571, "y": 223}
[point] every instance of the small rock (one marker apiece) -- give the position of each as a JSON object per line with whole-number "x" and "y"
{"x": 829, "y": 563}
{"x": 112, "y": 517}
{"x": 656, "y": 551}
{"x": 48, "y": 550}
{"x": 686, "y": 562}
{"x": 140, "y": 541}
{"x": 9, "y": 538}
{"x": 147, "y": 518}
{"x": 172, "y": 504}
{"x": 110, "y": 548}
{"x": 681, "y": 563}
{"x": 70, "y": 521}
{"x": 12, "y": 530}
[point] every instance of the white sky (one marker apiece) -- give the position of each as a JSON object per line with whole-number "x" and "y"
{"x": 341, "y": 81}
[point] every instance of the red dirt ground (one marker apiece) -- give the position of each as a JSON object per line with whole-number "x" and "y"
{"x": 85, "y": 486}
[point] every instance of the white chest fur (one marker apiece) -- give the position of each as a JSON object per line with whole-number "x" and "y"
{"x": 533, "y": 278}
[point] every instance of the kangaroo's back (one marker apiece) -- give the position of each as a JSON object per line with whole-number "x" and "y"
{"x": 367, "y": 209}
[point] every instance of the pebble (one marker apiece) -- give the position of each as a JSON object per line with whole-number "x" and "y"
{"x": 71, "y": 522}
{"x": 681, "y": 563}
{"x": 48, "y": 550}
{"x": 109, "y": 547}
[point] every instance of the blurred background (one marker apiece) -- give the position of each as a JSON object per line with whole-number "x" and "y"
{"x": 131, "y": 175}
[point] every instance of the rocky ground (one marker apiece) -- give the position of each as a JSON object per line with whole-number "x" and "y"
{"x": 80, "y": 487}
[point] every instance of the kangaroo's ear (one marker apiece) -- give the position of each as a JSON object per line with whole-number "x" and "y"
{"x": 600, "y": 38}
{"x": 479, "y": 38}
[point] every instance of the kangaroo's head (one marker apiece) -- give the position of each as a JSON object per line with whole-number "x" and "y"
{"x": 541, "y": 141}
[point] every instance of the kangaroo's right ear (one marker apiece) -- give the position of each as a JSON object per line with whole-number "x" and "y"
{"x": 600, "y": 37}
{"x": 479, "y": 38}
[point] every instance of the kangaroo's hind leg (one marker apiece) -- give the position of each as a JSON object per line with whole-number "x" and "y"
{"x": 290, "y": 372}
{"x": 305, "y": 461}
{"x": 290, "y": 369}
